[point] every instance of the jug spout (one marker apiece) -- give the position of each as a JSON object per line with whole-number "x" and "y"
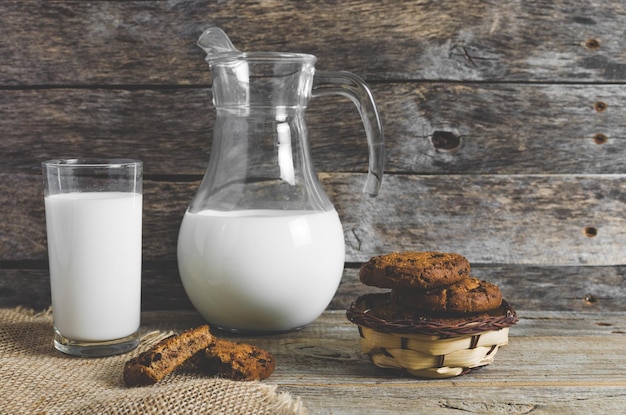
{"x": 214, "y": 40}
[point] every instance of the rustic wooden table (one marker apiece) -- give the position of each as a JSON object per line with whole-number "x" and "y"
{"x": 555, "y": 363}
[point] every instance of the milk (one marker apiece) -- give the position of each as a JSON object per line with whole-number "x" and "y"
{"x": 94, "y": 247}
{"x": 261, "y": 270}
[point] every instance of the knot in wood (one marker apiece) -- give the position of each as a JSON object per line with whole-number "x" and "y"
{"x": 590, "y": 299}
{"x": 600, "y": 138}
{"x": 445, "y": 141}
{"x": 600, "y": 106}
{"x": 592, "y": 44}
{"x": 590, "y": 231}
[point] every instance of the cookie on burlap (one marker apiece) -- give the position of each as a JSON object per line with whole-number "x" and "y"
{"x": 470, "y": 295}
{"x": 414, "y": 270}
{"x": 164, "y": 357}
{"x": 236, "y": 361}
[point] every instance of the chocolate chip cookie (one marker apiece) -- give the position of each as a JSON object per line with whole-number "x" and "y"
{"x": 470, "y": 295}
{"x": 235, "y": 361}
{"x": 164, "y": 357}
{"x": 414, "y": 270}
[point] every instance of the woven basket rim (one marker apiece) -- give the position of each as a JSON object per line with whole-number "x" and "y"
{"x": 359, "y": 313}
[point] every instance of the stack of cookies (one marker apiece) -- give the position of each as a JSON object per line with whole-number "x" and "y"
{"x": 437, "y": 321}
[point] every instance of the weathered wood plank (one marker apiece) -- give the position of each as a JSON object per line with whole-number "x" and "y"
{"x": 23, "y": 234}
{"x": 594, "y": 290}
{"x": 540, "y": 323}
{"x": 430, "y": 128}
{"x": 153, "y": 42}
{"x": 28, "y": 286}
{"x": 556, "y": 368}
{"x": 572, "y": 363}
{"x": 514, "y": 219}
{"x": 503, "y": 128}
{"x": 544, "y": 219}
{"x": 57, "y": 123}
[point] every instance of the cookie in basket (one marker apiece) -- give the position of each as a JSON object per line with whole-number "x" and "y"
{"x": 429, "y": 332}
{"x": 414, "y": 270}
{"x": 428, "y": 346}
{"x": 470, "y": 295}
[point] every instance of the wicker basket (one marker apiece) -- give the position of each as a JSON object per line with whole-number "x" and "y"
{"x": 426, "y": 347}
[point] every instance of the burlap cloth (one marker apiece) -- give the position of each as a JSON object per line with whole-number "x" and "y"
{"x": 35, "y": 379}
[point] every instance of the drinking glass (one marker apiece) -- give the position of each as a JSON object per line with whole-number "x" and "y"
{"x": 93, "y": 219}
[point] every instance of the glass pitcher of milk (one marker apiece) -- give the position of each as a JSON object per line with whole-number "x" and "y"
{"x": 261, "y": 247}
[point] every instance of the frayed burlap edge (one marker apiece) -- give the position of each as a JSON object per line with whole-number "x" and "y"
{"x": 36, "y": 379}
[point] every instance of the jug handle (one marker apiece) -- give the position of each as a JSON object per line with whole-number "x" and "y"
{"x": 354, "y": 88}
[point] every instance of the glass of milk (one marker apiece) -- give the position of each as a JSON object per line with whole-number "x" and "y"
{"x": 93, "y": 219}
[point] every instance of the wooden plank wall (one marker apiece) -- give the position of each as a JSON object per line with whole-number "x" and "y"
{"x": 505, "y": 128}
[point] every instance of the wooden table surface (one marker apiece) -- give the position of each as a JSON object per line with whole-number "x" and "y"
{"x": 556, "y": 362}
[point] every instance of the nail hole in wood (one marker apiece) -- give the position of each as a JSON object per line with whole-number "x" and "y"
{"x": 600, "y": 106}
{"x": 445, "y": 141}
{"x": 590, "y": 231}
{"x": 600, "y": 138}
{"x": 590, "y": 299}
{"x": 592, "y": 43}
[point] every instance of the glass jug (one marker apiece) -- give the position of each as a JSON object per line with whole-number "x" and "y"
{"x": 261, "y": 247}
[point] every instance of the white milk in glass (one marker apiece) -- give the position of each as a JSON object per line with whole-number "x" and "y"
{"x": 94, "y": 244}
{"x": 266, "y": 270}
